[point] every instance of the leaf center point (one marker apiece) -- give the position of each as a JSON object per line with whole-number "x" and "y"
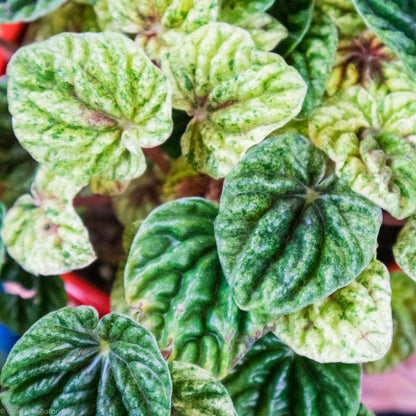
{"x": 311, "y": 196}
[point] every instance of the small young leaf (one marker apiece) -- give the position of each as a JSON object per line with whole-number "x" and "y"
{"x": 289, "y": 232}
{"x": 26, "y": 10}
{"x": 363, "y": 411}
{"x": 273, "y": 380}
{"x": 175, "y": 288}
{"x": 394, "y": 22}
{"x": 371, "y": 145}
{"x": 236, "y": 94}
{"x": 71, "y": 363}
{"x": 404, "y": 324}
{"x": 296, "y": 16}
{"x": 314, "y": 58}
{"x": 95, "y": 96}
{"x": 405, "y": 248}
{"x": 46, "y": 237}
{"x": 26, "y": 298}
{"x": 195, "y": 392}
{"x": 353, "y": 325}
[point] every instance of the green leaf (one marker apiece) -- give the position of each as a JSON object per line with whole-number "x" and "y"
{"x": 26, "y": 10}
{"x": 314, "y": 58}
{"x": 405, "y": 248}
{"x": 353, "y": 325}
{"x": 46, "y": 237}
{"x": 96, "y": 96}
{"x": 26, "y": 298}
{"x": 404, "y": 324}
{"x": 363, "y": 411}
{"x": 195, "y": 392}
{"x": 394, "y": 22}
{"x": 71, "y": 363}
{"x": 371, "y": 145}
{"x": 343, "y": 13}
{"x": 289, "y": 232}
{"x": 296, "y": 16}
{"x": 273, "y": 380}
{"x": 175, "y": 287}
{"x": 236, "y": 94}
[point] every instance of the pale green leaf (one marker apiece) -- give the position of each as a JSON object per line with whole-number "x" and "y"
{"x": 85, "y": 104}
{"x": 405, "y": 248}
{"x": 46, "y": 237}
{"x": 195, "y": 392}
{"x": 371, "y": 145}
{"x": 353, "y": 325}
{"x": 236, "y": 94}
{"x": 404, "y": 324}
{"x": 175, "y": 287}
{"x": 394, "y": 22}
{"x": 272, "y": 380}
{"x": 71, "y": 363}
{"x": 289, "y": 232}
{"x": 26, "y": 10}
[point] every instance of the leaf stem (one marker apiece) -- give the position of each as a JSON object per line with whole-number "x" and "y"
{"x": 157, "y": 156}
{"x": 93, "y": 200}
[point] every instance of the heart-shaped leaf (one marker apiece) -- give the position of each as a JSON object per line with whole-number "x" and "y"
{"x": 314, "y": 58}
{"x": 394, "y": 22}
{"x": 46, "y": 237}
{"x": 85, "y": 104}
{"x": 196, "y": 392}
{"x": 289, "y": 232}
{"x": 371, "y": 145}
{"x": 175, "y": 287}
{"x": 273, "y": 380}
{"x": 26, "y": 298}
{"x": 404, "y": 324}
{"x": 235, "y": 93}
{"x": 26, "y": 10}
{"x": 405, "y": 248}
{"x": 71, "y": 363}
{"x": 353, "y": 325}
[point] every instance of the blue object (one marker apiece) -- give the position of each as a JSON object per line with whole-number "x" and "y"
{"x": 7, "y": 340}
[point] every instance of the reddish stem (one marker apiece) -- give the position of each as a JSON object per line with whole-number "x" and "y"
{"x": 388, "y": 219}
{"x": 93, "y": 200}
{"x": 157, "y": 156}
{"x": 9, "y": 48}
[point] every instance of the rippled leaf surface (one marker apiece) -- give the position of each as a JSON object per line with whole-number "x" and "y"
{"x": 353, "y": 325}
{"x": 85, "y": 104}
{"x": 394, "y": 22}
{"x": 235, "y": 93}
{"x": 198, "y": 393}
{"x": 289, "y": 232}
{"x": 272, "y": 380}
{"x": 175, "y": 287}
{"x": 26, "y": 298}
{"x": 26, "y": 10}
{"x": 71, "y": 363}
{"x": 405, "y": 248}
{"x": 372, "y": 145}
{"x": 404, "y": 324}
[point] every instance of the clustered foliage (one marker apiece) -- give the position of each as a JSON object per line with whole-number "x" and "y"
{"x": 249, "y": 148}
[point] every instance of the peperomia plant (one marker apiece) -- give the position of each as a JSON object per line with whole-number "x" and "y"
{"x": 248, "y": 149}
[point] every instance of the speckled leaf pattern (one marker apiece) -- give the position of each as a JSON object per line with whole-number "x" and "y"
{"x": 236, "y": 94}
{"x": 314, "y": 58}
{"x": 296, "y": 16}
{"x": 363, "y": 411}
{"x": 289, "y": 232}
{"x": 71, "y": 363}
{"x": 394, "y": 22}
{"x": 405, "y": 248}
{"x": 26, "y": 298}
{"x": 353, "y": 325}
{"x": 272, "y": 380}
{"x": 160, "y": 24}
{"x": 371, "y": 145}
{"x": 404, "y": 324}
{"x": 46, "y": 237}
{"x": 26, "y": 10}
{"x": 344, "y": 15}
{"x": 195, "y": 392}
{"x": 175, "y": 287}
{"x": 85, "y": 104}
